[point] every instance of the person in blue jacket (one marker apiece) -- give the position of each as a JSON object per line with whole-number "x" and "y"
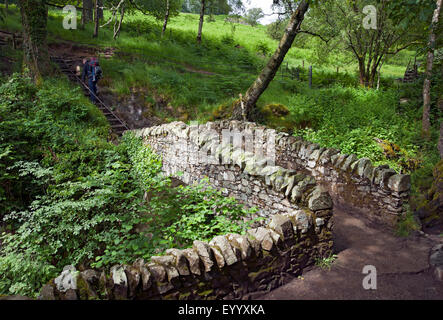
{"x": 92, "y": 71}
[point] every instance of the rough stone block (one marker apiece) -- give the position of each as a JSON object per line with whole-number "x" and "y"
{"x": 157, "y": 272}
{"x": 67, "y": 279}
{"x": 319, "y": 199}
{"x": 204, "y": 252}
{"x": 180, "y": 261}
{"x": 222, "y": 243}
{"x": 399, "y": 182}
{"x": 283, "y": 226}
{"x": 193, "y": 260}
{"x": 241, "y": 243}
{"x": 145, "y": 274}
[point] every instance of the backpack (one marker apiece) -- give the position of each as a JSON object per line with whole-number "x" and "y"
{"x": 96, "y": 71}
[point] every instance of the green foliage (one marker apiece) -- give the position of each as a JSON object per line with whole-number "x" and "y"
{"x": 407, "y": 224}
{"x": 276, "y": 29}
{"x": 326, "y": 263}
{"x": 137, "y": 28}
{"x": 88, "y": 202}
{"x": 350, "y": 119}
{"x": 263, "y": 48}
{"x": 253, "y": 15}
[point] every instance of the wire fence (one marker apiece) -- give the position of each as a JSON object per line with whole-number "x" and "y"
{"x": 286, "y": 73}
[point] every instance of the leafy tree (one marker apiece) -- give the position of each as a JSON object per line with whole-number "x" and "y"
{"x": 276, "y": 29}
{"x": 339, "y": 25}
{"x": 34, "y": 16}
{"x": 253, "y": 15}
{"x": 163, "y": 10}
{"x": 223, "y": 6}
{"x": 426, "y": 123}
{"x": 213, "y": 7}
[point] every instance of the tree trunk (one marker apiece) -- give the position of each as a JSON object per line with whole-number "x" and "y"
{"x": 96, "y": 19}
{"x": 100, "y": 9}
{"x": 200, "y": 24}
{"x": 118, "y": 24}
{"x": 440, "y": 140}
{"x": 165, "y": 22}
{"x": 87, "y": 11}
{"x": 363, "y": 74}
{"x": 440, "y": 100}
{"x": 426, "y": 122}
{"x": 34, "y": 15}
{"x": 6, "y": 6}
{"x": 259, "y": 86}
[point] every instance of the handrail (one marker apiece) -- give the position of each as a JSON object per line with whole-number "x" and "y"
{"x": 87, "y": 87}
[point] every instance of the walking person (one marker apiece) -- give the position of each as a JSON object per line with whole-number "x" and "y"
{"x": 92, "y": 71}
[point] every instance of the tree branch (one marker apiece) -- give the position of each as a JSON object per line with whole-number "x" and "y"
{"x": 315, "y": 35}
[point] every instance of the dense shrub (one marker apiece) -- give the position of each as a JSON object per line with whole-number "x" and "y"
{"x": 276, "y": 29}
{"x": 351, "y": 119}
{"x": 262, "y": 48}
{"x": 86, "y": 198}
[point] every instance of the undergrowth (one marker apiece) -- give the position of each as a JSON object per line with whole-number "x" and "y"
{"x": 70, "y": 197}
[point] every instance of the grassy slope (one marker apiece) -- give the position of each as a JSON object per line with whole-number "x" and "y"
{"x": 163, "y": 67}
{"x": 171, "y": 58}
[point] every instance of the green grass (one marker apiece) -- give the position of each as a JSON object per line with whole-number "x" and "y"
{"x": 326, "y": 263}
{"x": 406, "y": 225}
{"x": 228, "y": 52}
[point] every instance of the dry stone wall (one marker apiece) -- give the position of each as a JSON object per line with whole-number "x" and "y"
{"x": 267, "y": 169}
{"x": 378, "y": 192}
{"x": 297, "y": 229}
{"x": 232, "y": 266}
{"x": 199, "y": 152}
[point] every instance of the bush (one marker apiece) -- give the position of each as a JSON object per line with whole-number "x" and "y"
{"x": 351, "y": 119}
{"x": 137, "y": 28}
{"x": 85, "y": 198}
{"x": 276, "y": 29}
{"x": 228, "y": 40}
{"x": 262, "y": 48}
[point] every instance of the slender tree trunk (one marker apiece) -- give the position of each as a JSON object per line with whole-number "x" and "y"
{"x": 426, "y": 122}
{"x": 261, "y": 83}
{"x": 100, "y": 9}
{"x": 6, "y": 6}
{"x": 96, "y": 19}
{"x": 200, "y": 24}
{"x": 118, "y": 25}
{"x": 34, "y": 16}
{"x": 440, "y": 92}
{"x": 440, "y": 140}
{"x": 379, "y": 75}
{"x": 87, "y": 12}
{"x": 165, "y": 22}
{"x": 363, "y": 76}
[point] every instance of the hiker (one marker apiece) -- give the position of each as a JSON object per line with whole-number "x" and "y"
{"x": 92, "y": 70}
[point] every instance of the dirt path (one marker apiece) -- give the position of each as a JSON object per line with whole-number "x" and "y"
{"x": 402, "y": 265}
